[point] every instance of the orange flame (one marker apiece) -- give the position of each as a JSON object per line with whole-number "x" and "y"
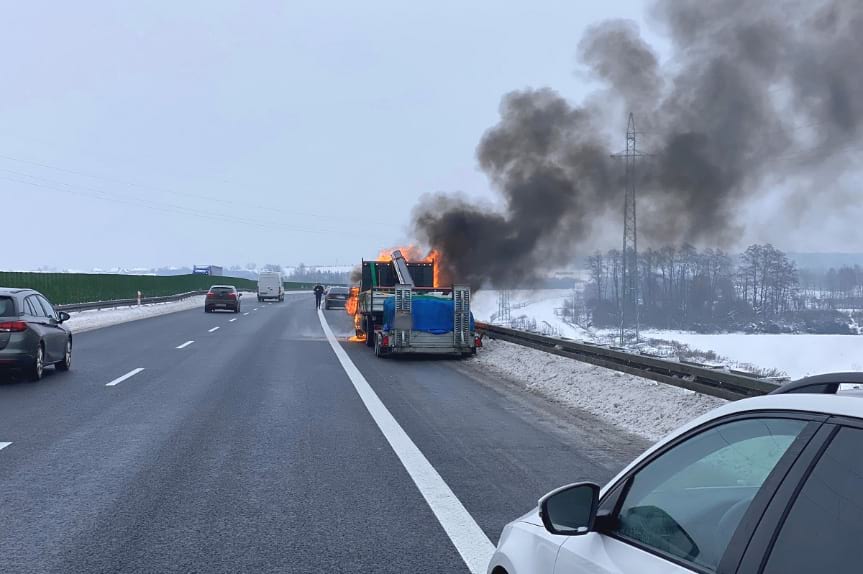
{"x": 414, "y": 254}
{"x": 357, "y": 318}
{"x": 352, "y": 302}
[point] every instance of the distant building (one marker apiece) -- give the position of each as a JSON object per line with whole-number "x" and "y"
{"x": 207, "y": 270}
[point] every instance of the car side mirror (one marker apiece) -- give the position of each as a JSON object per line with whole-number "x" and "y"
{"x": 570, "y": 510}
{"x": 239, "y": 295}
{"x": 63, "y": 316}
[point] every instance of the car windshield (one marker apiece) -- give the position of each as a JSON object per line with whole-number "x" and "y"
{"x": 346, "y": 286}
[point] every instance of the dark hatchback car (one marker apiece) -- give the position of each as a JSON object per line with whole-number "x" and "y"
{"x": 32, "y": 334}
{"x": 222, "y": 298}
{"x": 335, "y": 297}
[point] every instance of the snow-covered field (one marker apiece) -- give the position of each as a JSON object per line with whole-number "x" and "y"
{"x": 632, "y": 403}
{"x": 797, "y": 355}
{"x": 538, "y": 304}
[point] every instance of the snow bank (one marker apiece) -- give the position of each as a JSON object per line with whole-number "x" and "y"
{"x": 82, "y": 321}
{"x": 97, "y": 318}
{"x": 632, "y": 403}
{"x": 797, "y": 355}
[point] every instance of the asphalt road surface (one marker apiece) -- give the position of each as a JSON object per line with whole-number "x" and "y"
{"x": 250, "y": 449}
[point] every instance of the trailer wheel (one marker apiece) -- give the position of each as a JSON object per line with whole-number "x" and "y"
{"x": 379, "y": 351}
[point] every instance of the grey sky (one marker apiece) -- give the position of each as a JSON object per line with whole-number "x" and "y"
{"x": 230, "y": 132}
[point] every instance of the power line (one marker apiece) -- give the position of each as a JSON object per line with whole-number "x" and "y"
{"x": 171, "y": 191}
{"x": 166, "y": 208}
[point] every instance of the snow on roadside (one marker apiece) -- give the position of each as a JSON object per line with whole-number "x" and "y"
{"x": 97, "y": 318}
{"x": 635, "y": 404}
{"x": 91, "y": 319}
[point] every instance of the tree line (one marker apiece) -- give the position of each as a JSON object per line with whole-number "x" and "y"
{"x": 708, "y": 290}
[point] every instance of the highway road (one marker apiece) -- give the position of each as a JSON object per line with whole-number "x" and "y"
{"x": 196, "y": 442}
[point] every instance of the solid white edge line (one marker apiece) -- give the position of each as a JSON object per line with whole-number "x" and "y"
{"x": 128, "y": 375}
{"x": 468, "y": 538}
{"x": 213, "y": 329}
{"x": 4, "y": 445}
{"x": 232, "y": 320}
{"x": 184, "y": 345}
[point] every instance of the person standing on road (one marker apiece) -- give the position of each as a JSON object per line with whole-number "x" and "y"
{"x": 319, "y": 291}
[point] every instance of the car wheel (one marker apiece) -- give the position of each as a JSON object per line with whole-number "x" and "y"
{"x": 237, "y": 310}
{"x": 38, "y": 367}
{"x": 66, "y": 363}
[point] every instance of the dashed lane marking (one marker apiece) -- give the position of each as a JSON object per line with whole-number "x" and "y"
{"x": 128, "y": 375}
{"x": 184, "y": 345}
{"x": 213, "y": 329}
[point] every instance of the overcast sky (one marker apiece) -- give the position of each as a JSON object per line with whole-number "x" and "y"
{"x": 175, "y": 133}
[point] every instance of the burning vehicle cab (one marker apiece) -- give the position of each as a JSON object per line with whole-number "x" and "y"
{"x": 401, "y": 308}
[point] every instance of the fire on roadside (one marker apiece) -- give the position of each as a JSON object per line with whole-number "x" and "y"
{"x": 357, "y": 317}
{"x": 353, "y": 301}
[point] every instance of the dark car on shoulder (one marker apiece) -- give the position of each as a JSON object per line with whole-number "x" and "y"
{"x": 32, "y": 334}
{"x": 336, "y": 297}
{"x": 222, "y": 298}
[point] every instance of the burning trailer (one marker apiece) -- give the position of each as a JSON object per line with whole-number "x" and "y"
{"x": 398, "y": 309}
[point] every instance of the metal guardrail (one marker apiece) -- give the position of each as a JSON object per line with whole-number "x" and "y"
{"x": 126, "y": 302}
{"x": 717, "y": 382}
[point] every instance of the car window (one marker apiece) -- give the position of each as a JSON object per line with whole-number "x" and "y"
{"x": 687, "y": 502}
{"x": 49, "y": 309}
{"x": 33, "y": 307}
{"x": 823, "y": 531}
{"x": 7, "y": 307}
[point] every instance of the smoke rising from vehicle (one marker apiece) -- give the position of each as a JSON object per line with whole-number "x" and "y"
{"x": 754, "y": 93}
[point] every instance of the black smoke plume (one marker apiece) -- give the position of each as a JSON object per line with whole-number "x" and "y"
{"x": 753, "y": 93}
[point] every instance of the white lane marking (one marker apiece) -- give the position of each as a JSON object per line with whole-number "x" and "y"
{"x": 466, "y": 535}
{"x": 255, "y": 309}
{"x": 184, "y": 345}
{"x": 4, "y": 445}
{"x": 213, "y": 329}
{"x": 232, "y": 320}
{"x": 245, "y": 314}
{"x": 128, "y": 375}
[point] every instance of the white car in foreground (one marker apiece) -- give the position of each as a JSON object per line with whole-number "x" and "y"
{"x": 771, "y": 485}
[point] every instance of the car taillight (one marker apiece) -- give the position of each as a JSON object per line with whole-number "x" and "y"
{"x": 232, "y": 296}
{"x": 13, "y": 326}
{"x": 210, "y": 295}
{"x": 385, "y": 341}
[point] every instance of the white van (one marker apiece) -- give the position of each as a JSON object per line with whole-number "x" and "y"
{"x": 270, "y": 286}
